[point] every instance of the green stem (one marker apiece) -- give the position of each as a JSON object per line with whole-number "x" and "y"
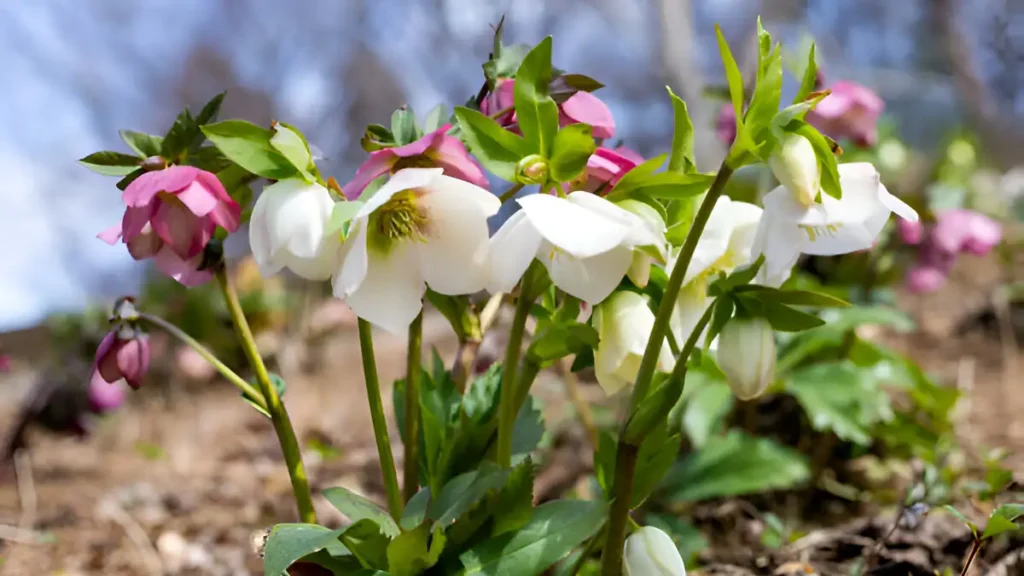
{"x": 508, "y": 405}
{"x": 412, "y": 410}
{"x": 508, "y": 194}
{"x": 527, "y": 374}
{"x": 380, "y": 425}
{"x": 625, "y": 461}
{"x": 587, "y": 551}
{"x": 679, "y": 370}
{"x": 278, "y": 414}
{"x": 229, "y": 374}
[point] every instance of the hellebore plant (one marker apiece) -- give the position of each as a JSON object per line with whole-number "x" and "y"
{"x": 666, "y": 263}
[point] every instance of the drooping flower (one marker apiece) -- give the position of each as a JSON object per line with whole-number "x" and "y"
{"x": 422, "y": 228}
{"x": 104, "y": 396}
{"x": 585, "y": 242}
{"x": 790, "y": 226}
{"x": 436, "y": 149}
{"x": 851, "y": 111}
{"x": 651, "y": 552}
{"x": 624, "y": 322}
{"x": 123, "y": 353}
{"x": 289, "y": 229}
{"x": 725, "y": 244}
{"x": 171, "y": 216}
{"x": 606, "y": 166}
{"x": 746, "y": 353}
{"x": 580, "y": 108}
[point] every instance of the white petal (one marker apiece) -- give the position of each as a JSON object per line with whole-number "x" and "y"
{"x": 644, "y": 224}
{"x": 302, "y": 212}
{"x": 354, "y": 261}
{"x": 745, "y": 219}
{"x": 830, "y": 227}
{"x": 405, "y": 179}
{"x": 713, "y": 242}
{"x": 512, "y": 248}
{"x": 690, "y": 306}
{"x": 259, "y": 236}
{"x": 577, "y": 230}
{"x": 899, "y": 207}
{"x": 589, "y": 279}
{"x": 454, "y": 257}
{"x": 780, "y": 241}
{"x": 322, "y": 266}
{"x": 391, "y": 295}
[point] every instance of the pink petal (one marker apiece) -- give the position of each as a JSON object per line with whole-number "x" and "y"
{"x": 452, "y": 156}
{"x": 106, "y": 358}
{"x": 133, "y": 360}
{"x": 182, "y": 230}
{"x": 608, "y": 165}
{"x": 227, "y": 214}
{"x": 171, "y": 179}
{"x": 421, "y": 145}
{"x": 985, "y": 234}
{"x": 629, "y": 154}
{"x": 197, "y": 198}
{"x": 104, "y": 396}
{"x": 585, "y": 108}
{"x": 379, "y": 163}
{"x": 111, "y": 235}
{"x": 185, "y": 272}
{"x": 145, "y": 245}
{"x": 925, "y": 279}
{"x": 910, "y": 232}
{"x": 136, "y": 220}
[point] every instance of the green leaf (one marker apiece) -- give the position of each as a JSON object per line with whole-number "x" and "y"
{"x": 209, "y": 112}
{"x": 480, "y": 402}
{"x": 810, "y": 78}
{"x": 706, "y": 407}
{"x": 180, "y": 136}
{"x": 640, "y": 172}
{"x": 439, "y": 406}
{"x": 342, "y": 214}
{"x": 823, "y": 150}
{"x": 564, "y": 86}
{"x": 211, "y": 159}
{"x": 572, "y": 148}
{"x": 735, "y": 465}
{"x": 724, "y": 307}
{"x": 376, "y": 137}
{"x": 514, "y": 503}
{"x": 840, "y": 398}
{"x": 681, "y": 157}
{"x": 248, "y": 145}
{"x": 781, "y": 317}
{"x": 974, "y": 528}
{"x": 415, "y": 511}
{"x": 657, "y": 454}
{"x": 357, "y": 508}
{"x": 496, "y": 148}
{"x": 560, "y": 340}
{"x": 124, "y": 182}
{"x": 735, "y": 80}
{"x": 290, "y": 542}
{"x": 664, "y": 185}
{"x": 552, "y": 532}
{"x": 279, "y": 384}
{"x": 653, "y": 410}
{"x": 411, "y": 553}
{"x": 738, "y": 280}
{"x": 793, "y": 297}
{"x": 536, "y": 111}
{"x": 110, "y": 163}
{"x": 528, "y": 429}
{"x": 764, "y": 103}
{"x": 366, "y": 542}
{"x": 292, "y": 145}
{"x": 436, "y": 118}
{"x": 463, "y": 491}
{"x": 145, "y": 145}
{"x": 403, "y": 126}
{"x": 1003, "y": 519}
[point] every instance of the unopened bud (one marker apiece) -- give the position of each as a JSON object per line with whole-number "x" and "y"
{"x": 796, "y": 167}
{"x": 154, "y": 163}
{"x": 532, "y": 170}
{"x": 651, "y": 552}
{"x": 746, "y": 353}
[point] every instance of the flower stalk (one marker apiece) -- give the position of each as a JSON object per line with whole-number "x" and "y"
{"x": 278, "y": 415}
{"x": 380, "y": 425}
{"x": 508, "y": 407}
{"x": 411, "y": 469}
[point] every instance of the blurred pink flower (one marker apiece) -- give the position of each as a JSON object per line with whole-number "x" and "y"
{"x": 104, "y": 396}
{"x": 436, "y": 149}
{"x": 911, "y": 233}
{"x": 966, "y": 231}
{"x": 5, "y": 363}
{"x": 922, "y": 279}
{"x": 609, "y": 165}
{"x": 581, "y": 108}
{"x": 171, "y": 216}
{"x": 123, "y": 354}
{"x": 725, "y": 124}
{"x": 850, "y": 111}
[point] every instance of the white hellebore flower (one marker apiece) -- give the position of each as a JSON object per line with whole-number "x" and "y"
{"x": 746, "y": 353}
{"x": 289, "y": 229}
{"x": 420, "y": 229}
{"x": 793, "y": 223}
{"x": 585, "y": 242}
{"x": 651, "y": 552}
{"x": 724, "y": 245}
{"x": 624, "y": 322}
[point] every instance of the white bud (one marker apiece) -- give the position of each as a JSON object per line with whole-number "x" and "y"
{"x": 651, "y": 552}
{"x": 746, "y": 353}
{"x": 290, "y": 228}
{"x": 797, "y": 168}
{"x": 624, "y": 323}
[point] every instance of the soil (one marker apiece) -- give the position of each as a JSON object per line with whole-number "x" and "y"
{"x": 187, "y": 484}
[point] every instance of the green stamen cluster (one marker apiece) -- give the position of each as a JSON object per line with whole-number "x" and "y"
{"x": 398, "y": 219}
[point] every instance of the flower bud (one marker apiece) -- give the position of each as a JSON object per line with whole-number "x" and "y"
{"x": 624, "y": 323}
{"x": 154, "y": 163}
{"x": 123, "y": 353}
{"x": 797, "y": 168}
{"x": 104, "y": 396}
{"x": 532, "y": 170}
{"x": 651, "y": 552}
{"x": 746, "y": 353}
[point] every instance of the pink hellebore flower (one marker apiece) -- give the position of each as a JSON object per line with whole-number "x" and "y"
{"x": 434, "y": 150}
{"x": 966, "y": 231}
{"x": 123, "y": 354}
{"x": 609, "y": 165}
{"x": 850, "y": 111}
{"x": 171, "y": 216}
{"x": 104, "y": 396}
{"x": 581, "y": 108}
{"x": 5, "y": 363}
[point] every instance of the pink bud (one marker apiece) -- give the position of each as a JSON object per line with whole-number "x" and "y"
{"x": 609, "y": 165}
{"x": 921, "y": 279}
{"x": 123, "y": 354}
{"x": 502, "y": 98}
{"x": 104, "y": 396}
{"x": 851, "y": 111}
{"x": 910, "y": 232}
{"x": 585, "y": 108}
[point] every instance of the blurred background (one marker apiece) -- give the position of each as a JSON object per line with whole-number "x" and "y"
{"x": 952, "y": 135}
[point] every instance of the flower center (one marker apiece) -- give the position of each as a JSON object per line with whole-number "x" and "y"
{"x": 417, "y": 161}
{"x": 813, "y": 232}
{"x": 398, "y": 219}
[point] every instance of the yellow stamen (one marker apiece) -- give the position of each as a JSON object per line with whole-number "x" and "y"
{"x": 400, "y": 218}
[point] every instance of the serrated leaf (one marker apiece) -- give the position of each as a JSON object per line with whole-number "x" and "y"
{"x": 781, "y": 317}
{"x": 109, "y": 163}
{"x": 653, "y": 410}
{"x": 412, "y": 552}
{"x": 180, "y": 136}
{"x": 536, "y": 111}
{"x": 357, "y": 508}
{"x": 513, "y": 505}
{"x": 210, "y": 110}
{"x": 764, "y": 102}
{"x": 1003, "y": 519}
{"x": 572, "y": 147}
{"x": 560, "y": 340}
{"x": 657, "y": 454}
{"x": 145, "y": 145}
{"x": 706, "y": 407}
{"x": 823, "y": 150}
{"x": 248, "y": 145}
{"x": 640, "y": 172}
{"x": 794, "y": 297}
{"x": 734, "y": 78}
{"x": 840, "y": 398}
{"x": 462, "y": 492}
{"x": 496, "y": 148}
{"x": 124, "y": 182}
{"x": 365, "y": 541}
{"x": 554, "y": 529}
{"x": 735, "y": 465}
{"x": 290, "y": 542}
